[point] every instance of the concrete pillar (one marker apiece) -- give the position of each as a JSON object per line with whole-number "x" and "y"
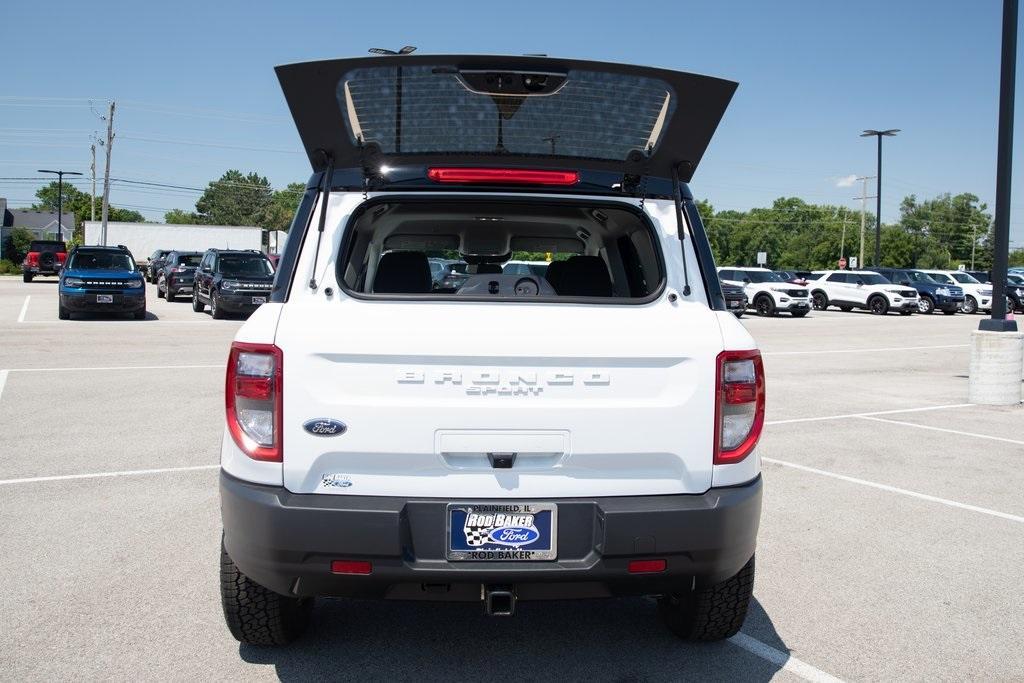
{"x": 997, "y": 367}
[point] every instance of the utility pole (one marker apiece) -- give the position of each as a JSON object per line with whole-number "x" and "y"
{"x": 842, "y": 242}
{"x": 92, "y": 200}
{"x": 863, "y": 214}
{"x": 106, "y": 174}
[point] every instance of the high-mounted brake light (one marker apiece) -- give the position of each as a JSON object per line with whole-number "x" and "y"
{"x": 739, "y": 405}
{"x": 253, "y": 399}
{"x": 503, "y": 176}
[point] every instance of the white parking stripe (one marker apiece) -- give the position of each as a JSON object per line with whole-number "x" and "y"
{"x": 871, "y": 414}
{"x": 121, "y": 367}
{"x": 876, "y": 350}
{"x": 3, "y": 381}
{"x": 893, "y": 489}
{"x": 785, "y": 660}
{"x": 102, "y": 475}
{"x": 24, "y": 309}
{"x": 943, "y": 429}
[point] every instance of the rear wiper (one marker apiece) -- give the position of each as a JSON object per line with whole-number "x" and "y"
{"x": 325, "y": 193}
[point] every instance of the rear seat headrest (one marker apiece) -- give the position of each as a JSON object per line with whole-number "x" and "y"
{"x": 402, "y": 272}
{"x": 580, "y": 276}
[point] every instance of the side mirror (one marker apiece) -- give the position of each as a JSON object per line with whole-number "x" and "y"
{"x": 905, "y": 283}
{"x": 746, "y": 280}
{"x": 860, "y": 283}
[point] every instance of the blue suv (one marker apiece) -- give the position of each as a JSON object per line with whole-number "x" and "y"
{"x": 930, "y": 294}
{"x": 101, "y": 280}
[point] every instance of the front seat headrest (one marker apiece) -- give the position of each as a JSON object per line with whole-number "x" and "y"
{"x": 403, "y": 272}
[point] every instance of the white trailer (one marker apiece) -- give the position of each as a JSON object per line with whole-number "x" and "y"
{"x": 142, "y": 239}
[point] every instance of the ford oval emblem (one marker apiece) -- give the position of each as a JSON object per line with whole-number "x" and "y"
{"x": 514, "y": 535}
{"x": 325, "y": 426}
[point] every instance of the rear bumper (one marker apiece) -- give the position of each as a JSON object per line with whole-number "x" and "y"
{"x": 36, "y": 270}
{"x": 287, "y": 541}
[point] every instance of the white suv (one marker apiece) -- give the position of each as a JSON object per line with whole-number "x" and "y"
{"x": 767, "y": 292}
{"x": 849, "y": 289}
{"x": 583, "y": 433}
{"x": 977, "y": 296}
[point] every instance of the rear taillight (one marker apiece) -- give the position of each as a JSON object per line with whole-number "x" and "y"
{"x": 61, "y": 256}
{"x": 253, "y": 398}
{"x": 32, "y": 259}
{"x": 503, "y": 176}
{"x": 739, "y": 405}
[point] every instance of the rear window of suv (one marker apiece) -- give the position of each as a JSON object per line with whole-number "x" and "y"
{"x": 597, "y": 251}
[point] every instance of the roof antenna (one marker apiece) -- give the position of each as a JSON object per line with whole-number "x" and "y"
{"x": 677, "y": 195}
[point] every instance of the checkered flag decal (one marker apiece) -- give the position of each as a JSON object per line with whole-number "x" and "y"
{"x": 475, "y": 536}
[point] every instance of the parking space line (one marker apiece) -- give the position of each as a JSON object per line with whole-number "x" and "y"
{"x": 785, "y": 660}
{"x": 869, "y": 414}
{"x": 104, "y": 475}
{"x": 875, "y": 350}
{"x": 120, "y": 367}
{"x": 24, "y": 308}
{"x": 943, "y": 429}
{"x": 3, "y": 381}
{"x": 894, "y": 489}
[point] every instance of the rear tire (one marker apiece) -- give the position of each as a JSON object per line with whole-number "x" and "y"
{"x": 878, "y": 305}
{"x": 169, "y": 295}
{"x": 197, "y": 305}
{"x": 714, "y": 612}
{"x": 925, "y": 305}
{"x": 140, "y": 315}
{"x": 820, "y": 300}
{"x": 63, "y": 313}
{"x": 159, "y": 294}
{"x": 256, "y": 615}
{"x": 765, "y": 306}
{"x": 26, "y": 277}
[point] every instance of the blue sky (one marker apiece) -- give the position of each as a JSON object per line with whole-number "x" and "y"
{"x": 812, "y": 75}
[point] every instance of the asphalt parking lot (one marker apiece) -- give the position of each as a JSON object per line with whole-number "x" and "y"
{"x": 891, "y": 545}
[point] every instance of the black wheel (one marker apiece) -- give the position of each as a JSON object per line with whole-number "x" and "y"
{"x": 820, "y": 300}
{"x": 714, "y": 612}
{"x": 26, "y": 277}
{"x": 197, "y": 305}
{"x": 799, "y": 314}
{"x": 63, "y": 313}
{"x": 140, "y": 315}
{"x": 969, "y": 306}
{"x": 215, "y": 310}
{"x": 168, "y": 294}
{"x": 925, "y": 305}
{"x": 257, "y": 615}
{"x": 764, "y": 305}
{"x": 159, "y": 293}
{"x": 846, "y": 309}
{"x": 878, "y": 305}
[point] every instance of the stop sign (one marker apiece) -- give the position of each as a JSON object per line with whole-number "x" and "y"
{"x": 842, "y": 263}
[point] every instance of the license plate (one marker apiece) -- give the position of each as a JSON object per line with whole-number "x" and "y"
{"x": 735, "y": 304}
{"x": 104, "y": 298}
{"x": 503, "y": 532}
{"x": 259, "y": 299}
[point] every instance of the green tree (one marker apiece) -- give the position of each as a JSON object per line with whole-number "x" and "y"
{"x": 181, "y": 217}
{"x": 236, "y": 199}
{"x": 79, "y": 203}
{"x": 282, "y": 207}
{"x": 956, "y": 223}
{"x": 17, "y": 245}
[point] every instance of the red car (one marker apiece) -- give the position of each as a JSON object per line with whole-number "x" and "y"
{"x": 45, "y": 257}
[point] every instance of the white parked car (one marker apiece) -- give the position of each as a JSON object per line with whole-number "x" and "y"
{"x": 850, "y": 289}
{"x": 589, "y": 432}
{"x": 977, "y": 296}
{"x": 767, "y": 293}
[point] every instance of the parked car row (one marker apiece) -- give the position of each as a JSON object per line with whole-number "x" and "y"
{"x": 98, "y": 279}
{"x": 878, "y": 290}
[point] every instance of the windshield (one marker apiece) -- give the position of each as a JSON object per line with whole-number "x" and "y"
{"x": 42, "y": 245}
{"x": 245, "y": 266}
{"x": 190, "y": 260}
{"x": 964, "y": 278}
{"x": 761, "y": 276}
{"x": 917, "y": 276}
{"x": 102, "y": 260}
{"x": 1015, "y": 279}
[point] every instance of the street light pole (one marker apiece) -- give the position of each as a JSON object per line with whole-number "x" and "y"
{"x": 60, "y": 199}
{"x": 878, "y": 191}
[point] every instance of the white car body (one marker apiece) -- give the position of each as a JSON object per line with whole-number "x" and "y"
{"x": 785, "y": 296}
{"x": 980, "y": 293}
{"x": 853, "y": 289}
